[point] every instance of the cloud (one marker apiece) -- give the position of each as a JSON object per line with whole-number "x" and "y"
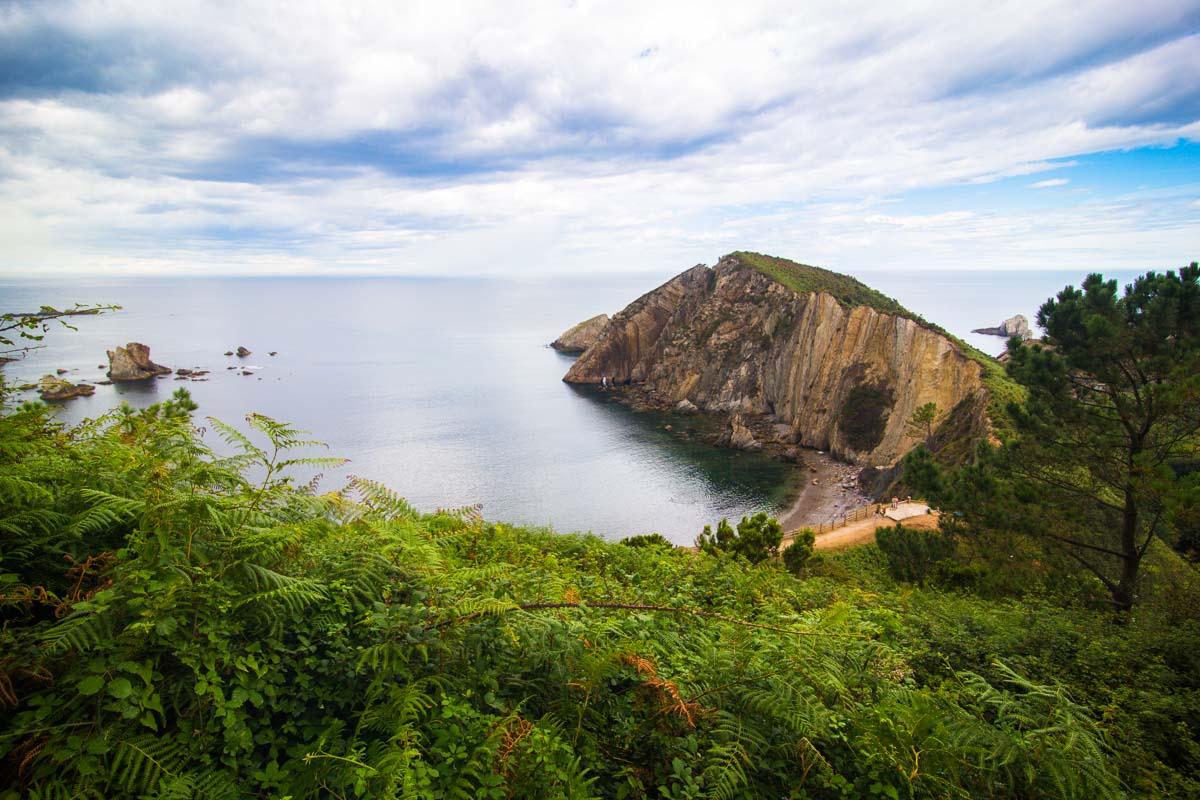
{"x": 382, "y": 136}
{"x": 1048, "y": 183}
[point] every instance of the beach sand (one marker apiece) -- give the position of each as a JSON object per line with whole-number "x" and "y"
{"x": 827, "y": 491}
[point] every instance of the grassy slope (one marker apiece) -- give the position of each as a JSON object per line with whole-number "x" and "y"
{"x": 852, "y": 292}
{"x": 277, "y": 642}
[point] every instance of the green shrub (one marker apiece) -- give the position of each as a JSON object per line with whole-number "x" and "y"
{"x": 756, "y": 539}
{"x": 912, "y": 554}
{"x": 796, "y": 555}
{"x": 647, "y": 540}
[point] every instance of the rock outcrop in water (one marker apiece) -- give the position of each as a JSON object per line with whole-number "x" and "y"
{"x": 580, "y": 337}
{"x": 53, "y": 388}
{"x": 824, "y": 362}
{"x": 132, "y": 363}
{"x": 1013, "y": 326}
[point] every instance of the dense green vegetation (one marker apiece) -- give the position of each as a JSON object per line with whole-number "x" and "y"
{"x": 851, "y": 292}
{"x": 178, "y": 624}
{"x": 1104, "y": 463}
{"x": 183, "y": 621}
{"x": 756, "y": 539}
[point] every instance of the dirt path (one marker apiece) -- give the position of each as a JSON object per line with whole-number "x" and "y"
{"x": 863, "y": 531}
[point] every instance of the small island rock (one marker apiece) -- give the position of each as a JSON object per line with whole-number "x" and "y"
{"x": 242, "y": 352}
{"x": 132, "y": 363}
{"x": 580, "y": 337}
{"x": 54, "y": 388}
{"x": 1013, "y": 326}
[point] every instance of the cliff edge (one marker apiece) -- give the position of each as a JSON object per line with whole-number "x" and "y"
{"x": 580, "y": 337}
{"x": 818, "y": 359}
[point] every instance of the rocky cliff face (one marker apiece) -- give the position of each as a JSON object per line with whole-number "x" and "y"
{"x": 580, "y": 337}
{"x": 811, "y": 370}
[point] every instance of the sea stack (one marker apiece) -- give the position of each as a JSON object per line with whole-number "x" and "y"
{"x": 132, "y": 363}
{"x": 790, "y": 355}
{"x": 580, "y": 337}
{"x": 1013, "y": 326}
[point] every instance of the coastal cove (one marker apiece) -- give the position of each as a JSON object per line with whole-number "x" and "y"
{"x": 477, "y": 414}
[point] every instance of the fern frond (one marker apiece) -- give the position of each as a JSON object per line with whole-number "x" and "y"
{"x": 81, "y": 631}
{"x": 385, "y": 503}
{"x": 139, "y": 764}
{"x": 233, "y": 436}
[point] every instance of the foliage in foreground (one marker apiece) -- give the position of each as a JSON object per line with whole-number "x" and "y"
{"x": 182, "y": 624}
{"x": 756, "y": 538}
{"x": 1106, "y": 460}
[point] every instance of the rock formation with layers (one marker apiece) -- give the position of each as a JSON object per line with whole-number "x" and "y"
{"x": 816, "y": 358}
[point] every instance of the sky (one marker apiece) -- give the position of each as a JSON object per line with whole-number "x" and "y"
{"x": 524, "y": 138}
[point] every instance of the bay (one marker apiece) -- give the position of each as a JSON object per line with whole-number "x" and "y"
{"x": 445, "y": 390}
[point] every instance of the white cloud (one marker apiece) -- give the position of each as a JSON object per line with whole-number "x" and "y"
{"x": 377, "y": 136}
{"x": 1050, "y": 182}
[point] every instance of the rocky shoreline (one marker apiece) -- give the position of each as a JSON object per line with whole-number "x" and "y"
{"x": 826, "y": 486}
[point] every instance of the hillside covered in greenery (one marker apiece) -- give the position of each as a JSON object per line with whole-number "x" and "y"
{"x": 178, "y": 624}
{"x": 182, "y": 617}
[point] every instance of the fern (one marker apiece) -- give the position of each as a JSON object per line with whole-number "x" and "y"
{"x": 81, "y": 631}
{"x": 140, "y": 764}
{"x": 382, "y": 501}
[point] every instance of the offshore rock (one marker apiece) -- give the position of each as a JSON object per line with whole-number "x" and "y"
{"x": 242, "y": 352}
{"x": 738, "y": 436}
{"x": 580, "y": 337}
{"x": 52, "y": 387}
{"x": 132, "y": 363}
{"x": 1013, "y": 326}
{"x": 813, "y": 370}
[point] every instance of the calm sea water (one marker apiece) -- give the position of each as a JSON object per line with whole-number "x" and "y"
{"x": 445, "y": 390}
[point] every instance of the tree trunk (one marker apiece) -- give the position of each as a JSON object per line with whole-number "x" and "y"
{"x": 1123, "y": 594}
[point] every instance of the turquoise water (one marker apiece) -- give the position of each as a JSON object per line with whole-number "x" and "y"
{"x": 445, "y": 390}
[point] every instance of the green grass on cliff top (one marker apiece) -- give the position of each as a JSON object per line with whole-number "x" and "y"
{"x": 852, "y": 292}
{"x": 804, "y": 279}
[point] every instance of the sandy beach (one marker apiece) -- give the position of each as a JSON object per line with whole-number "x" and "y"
{"x": 828, "y": 490}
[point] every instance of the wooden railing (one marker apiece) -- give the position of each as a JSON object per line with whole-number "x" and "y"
{"x": 835, "y": 522}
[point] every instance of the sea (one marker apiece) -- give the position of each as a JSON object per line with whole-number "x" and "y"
{"x": 446, "y": 390}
